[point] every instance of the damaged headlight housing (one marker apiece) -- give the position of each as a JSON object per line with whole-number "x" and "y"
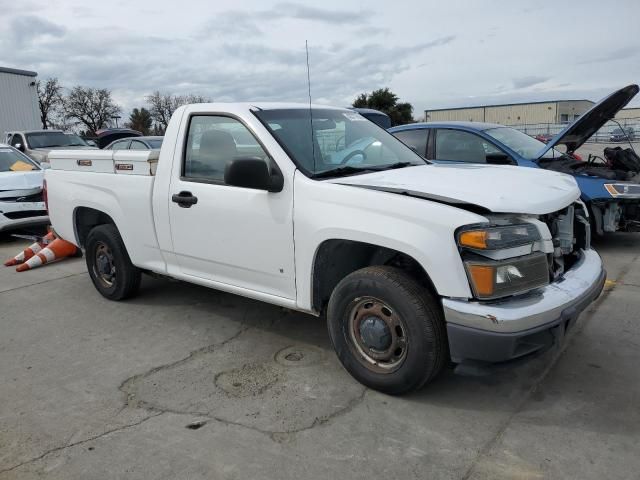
{"x": 491, "y": 279}
{"x": 498, "y": 238}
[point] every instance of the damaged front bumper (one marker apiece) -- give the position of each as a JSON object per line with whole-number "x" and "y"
{"x": 511, "y": 328}
{"x": 15, "y": 214}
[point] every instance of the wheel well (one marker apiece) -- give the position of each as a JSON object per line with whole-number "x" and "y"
{"x": 87, "y": 218}
{"x": 335, "y": 259}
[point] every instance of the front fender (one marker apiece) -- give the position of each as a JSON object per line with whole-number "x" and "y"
{"x": 421, "y": 229}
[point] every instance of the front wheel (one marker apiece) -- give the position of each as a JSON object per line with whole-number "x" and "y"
{"x": 387, "y": 330}
{"x": 109, "y": 265}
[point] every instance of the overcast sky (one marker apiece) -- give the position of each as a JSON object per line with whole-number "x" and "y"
{"x": 433, "y": 54}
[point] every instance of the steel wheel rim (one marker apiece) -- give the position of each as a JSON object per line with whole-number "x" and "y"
{"x": 389, "y": 358}
{"x": 104, "y": 267}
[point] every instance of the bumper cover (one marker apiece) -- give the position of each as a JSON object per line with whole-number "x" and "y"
{"x": 500, "y": 331}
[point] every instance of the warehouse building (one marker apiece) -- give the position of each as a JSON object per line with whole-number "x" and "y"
{"x": 629, "y": 113}
{"x": 19, "y": 108}
{"x": 555, "y": 111}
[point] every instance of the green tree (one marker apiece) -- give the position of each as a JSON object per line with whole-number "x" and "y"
{"x": 140, "y": 120}
{"x": 386, "y": 101}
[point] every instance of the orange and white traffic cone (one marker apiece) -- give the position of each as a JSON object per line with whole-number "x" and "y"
{"x": 56, "y": 250}
{"x": 31, "y": 250}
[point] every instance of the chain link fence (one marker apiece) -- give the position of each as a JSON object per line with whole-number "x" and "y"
{"x": 604, "y": 135}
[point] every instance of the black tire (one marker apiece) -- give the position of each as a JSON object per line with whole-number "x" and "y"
{"x": 125, "y": 280}
{"x": 422, "y": 324}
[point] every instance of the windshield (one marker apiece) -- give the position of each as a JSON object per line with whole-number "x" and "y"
{"x": 76, "y": 140}
{"x": 48, "y": 139}
{"x": 342, "y": 140}
{"x": 13, "y": 161}
{"x": 155, "y": 143}
{"x": 521, "y": 143}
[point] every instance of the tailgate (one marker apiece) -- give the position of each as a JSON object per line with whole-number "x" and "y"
{"x": 121, "y": 162}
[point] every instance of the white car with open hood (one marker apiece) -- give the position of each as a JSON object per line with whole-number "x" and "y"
{"x": 319, "y": 210}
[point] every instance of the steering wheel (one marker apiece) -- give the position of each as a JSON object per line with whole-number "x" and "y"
{"x": 353, "y": 154}
{"x": 341, "y": 139}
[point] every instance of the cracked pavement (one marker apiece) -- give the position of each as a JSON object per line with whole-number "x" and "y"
{"x": 186, "y": 382}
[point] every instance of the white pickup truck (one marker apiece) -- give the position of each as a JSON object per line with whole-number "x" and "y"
{"x": 319, "y": 210}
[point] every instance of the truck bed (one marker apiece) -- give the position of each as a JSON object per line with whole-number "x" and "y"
{"x": 118, "y": 183}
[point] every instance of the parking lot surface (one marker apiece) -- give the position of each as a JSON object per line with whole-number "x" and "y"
{"x": 186, "y": 382}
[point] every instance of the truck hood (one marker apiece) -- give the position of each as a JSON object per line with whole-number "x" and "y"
{"x": 578, "y": 132}
{"x": 483, "y": 188}
{"x": 15, "y": 183}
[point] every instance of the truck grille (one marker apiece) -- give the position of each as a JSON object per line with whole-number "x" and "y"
{"x": 34, "y": 197}
{"x": 570, "y": 232}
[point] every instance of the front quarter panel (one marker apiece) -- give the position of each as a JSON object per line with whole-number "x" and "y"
{"x": 416, "y": 227}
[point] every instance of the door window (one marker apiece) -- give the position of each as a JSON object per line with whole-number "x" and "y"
{"x": 137, "y": 145}
{"x": 414, "y": 139}
{"x": 121, "y": 145}
{"x": 459, "y": 146}
{"x": 212, "y": 142}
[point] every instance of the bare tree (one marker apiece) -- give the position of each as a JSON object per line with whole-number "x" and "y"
{"x": 49, "y": 100}
{"x": 92, "y": 107}
{"x": 162, "y": 105}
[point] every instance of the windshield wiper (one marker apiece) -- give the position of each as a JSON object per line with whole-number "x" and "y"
{"x": 336, "y": 172}
{"x": 350, "y": 169}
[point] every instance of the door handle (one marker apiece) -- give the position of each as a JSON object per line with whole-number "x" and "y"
{"x": 184, "y": 199}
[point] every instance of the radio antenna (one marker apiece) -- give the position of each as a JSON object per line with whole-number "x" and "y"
{"x": 313, "y": 146}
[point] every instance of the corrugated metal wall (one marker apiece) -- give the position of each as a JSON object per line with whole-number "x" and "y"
{"x": 518, "y": 114}
{"x": 459, "y": 114}
{"x": 629, "y": 113}
{"x": 18, "y": 103}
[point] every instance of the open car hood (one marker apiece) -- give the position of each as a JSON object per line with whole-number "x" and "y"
{"x": 578, "y": 132}
{"x": 479, "y": 188}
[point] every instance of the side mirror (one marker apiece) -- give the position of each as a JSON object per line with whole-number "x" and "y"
{"x": 253, "y": 173}
{"x": 20, "y": 147}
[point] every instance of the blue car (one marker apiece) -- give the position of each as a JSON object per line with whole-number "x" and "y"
{"x": 610, "y": 185}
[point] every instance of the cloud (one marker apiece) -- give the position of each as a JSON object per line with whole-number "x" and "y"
{"x": 27, "y": 28}
{"x": 623, "y": 53}
{"x": 315, "y": 14}
{"x": 529, "y": 81}
{"x": 246, "y": 22}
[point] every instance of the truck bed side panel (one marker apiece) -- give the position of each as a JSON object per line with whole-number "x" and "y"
{"x": 125, "y": 198}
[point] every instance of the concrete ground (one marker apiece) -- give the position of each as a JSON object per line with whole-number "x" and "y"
{"x": 183, "y": 382}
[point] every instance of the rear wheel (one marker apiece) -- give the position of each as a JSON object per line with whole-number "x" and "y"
{"x": 387, "y": 330}
{"x": 109, "y": 265}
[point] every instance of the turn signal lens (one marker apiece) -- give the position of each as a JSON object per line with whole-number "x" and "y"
{"x": 482, "y": 277}
{"x": 499, "y": 237}
{"x": 474, "y": 239}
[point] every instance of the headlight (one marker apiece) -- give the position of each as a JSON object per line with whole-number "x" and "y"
{"x": 492, "y": 279}
{"x": 497, "y": 238}
{"x": 623, "y": 190}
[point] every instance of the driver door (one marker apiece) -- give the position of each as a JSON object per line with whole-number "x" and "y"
{"x": 235, "y": 236}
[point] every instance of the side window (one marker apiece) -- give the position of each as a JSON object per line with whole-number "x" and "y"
{"x": 121, "y": 145}
{"x": 459, "y": 146}
{"x": 414, "y": 139}
{"x": 212, "y": 142}
{"x": 16, "y": 140}
{"x": 136, "y": 145}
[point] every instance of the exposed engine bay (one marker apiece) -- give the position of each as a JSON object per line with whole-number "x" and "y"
{"x": 570, "y": 232}
{"x": 620, "y": 210}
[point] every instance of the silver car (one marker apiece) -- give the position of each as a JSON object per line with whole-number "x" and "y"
{"x": 21, "y": 195}
{"x": 38, "y": 143}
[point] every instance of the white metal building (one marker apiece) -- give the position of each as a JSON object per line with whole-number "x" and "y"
{"x": 18, "y": 100}
{"x": 556, "y": 111}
